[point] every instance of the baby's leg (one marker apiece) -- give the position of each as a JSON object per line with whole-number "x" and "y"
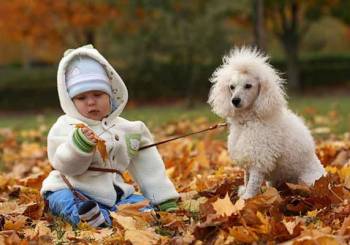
{"x": 255, "y": 180}
{"x": 63, "y": 203}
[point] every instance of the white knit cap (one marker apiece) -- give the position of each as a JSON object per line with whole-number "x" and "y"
{"x": 85, "y": 74}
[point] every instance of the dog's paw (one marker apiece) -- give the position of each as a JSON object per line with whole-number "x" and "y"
{"x": 243, "y": 193}
{"x": 241, "y": 190}
{"x": 246, "y": 196}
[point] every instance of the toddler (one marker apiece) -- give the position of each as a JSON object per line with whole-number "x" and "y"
{"x": 92, "y": 93}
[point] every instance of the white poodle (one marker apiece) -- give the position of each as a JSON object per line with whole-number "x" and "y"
{"x": 269, "y": 140}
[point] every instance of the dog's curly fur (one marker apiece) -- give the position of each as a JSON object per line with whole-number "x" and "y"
{"x": 269, "y": 140}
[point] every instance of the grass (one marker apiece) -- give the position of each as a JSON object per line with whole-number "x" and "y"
{"x": 331, "y": 112}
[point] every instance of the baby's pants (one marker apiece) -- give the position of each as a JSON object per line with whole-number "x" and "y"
{"x": 63, "y": 203}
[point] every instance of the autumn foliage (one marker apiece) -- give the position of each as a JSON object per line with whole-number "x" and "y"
{"x": 209, "y": 209}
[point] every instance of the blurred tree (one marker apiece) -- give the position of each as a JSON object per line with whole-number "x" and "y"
{"x": 289, "y": 20}
{"x": 341, "y": 10}
{"x": 28, "y": 24}
{"x": 258, "y": 24}
{"x": 80, "y": 20}
{"x": 35, "y": 24}
{"x": 185, "y": 34}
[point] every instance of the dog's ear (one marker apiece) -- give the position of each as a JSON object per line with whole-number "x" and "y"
{"x": 270, "y": 100}
{"x": 219, "y": 99}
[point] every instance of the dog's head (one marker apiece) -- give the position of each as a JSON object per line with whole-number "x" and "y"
{"x": 246, "y": 82}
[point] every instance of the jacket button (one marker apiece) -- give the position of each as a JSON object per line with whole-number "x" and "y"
{"x": 116, "y": 137}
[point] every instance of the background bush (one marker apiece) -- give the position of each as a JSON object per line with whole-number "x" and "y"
{"x": 36, "y": 88}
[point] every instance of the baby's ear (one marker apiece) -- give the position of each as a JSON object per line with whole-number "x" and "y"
{"x": 270, "y": 99}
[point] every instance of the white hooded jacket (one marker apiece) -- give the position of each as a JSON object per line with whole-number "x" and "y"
{"x": 123, "y": 138}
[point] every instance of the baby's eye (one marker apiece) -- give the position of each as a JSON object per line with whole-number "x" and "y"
{"x": 80, "y": 98}
{"x": 97, "y": 94}
{"x": 247, "y": 86}
{"x": 232, "y": 87}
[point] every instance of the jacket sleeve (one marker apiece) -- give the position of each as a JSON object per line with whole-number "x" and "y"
{"x": 148, "y": 170}
{"x": 63, "y": 154}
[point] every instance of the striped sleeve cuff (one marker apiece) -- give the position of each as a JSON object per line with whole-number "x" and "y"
{"x": 168, "y": 206}
{"x": 81, "y": 141}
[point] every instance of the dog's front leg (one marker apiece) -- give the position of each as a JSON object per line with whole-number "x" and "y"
{"x": 255, "y": 180}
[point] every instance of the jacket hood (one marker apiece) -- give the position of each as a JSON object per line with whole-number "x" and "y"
{"x": 119, "y": 90}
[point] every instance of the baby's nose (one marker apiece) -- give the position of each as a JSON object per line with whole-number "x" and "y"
{"x": 236, "y": 101}
{"x": 91, "y": 101}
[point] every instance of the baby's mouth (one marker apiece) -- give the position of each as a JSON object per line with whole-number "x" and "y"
{"x": 93, "y": 111}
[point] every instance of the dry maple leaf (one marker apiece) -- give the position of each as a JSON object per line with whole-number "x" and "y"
{"x": 243, "y": 234}
{"x": 225, "y": 206}
{"x": 141, "y": 237}
{"x": 101, "y": 147}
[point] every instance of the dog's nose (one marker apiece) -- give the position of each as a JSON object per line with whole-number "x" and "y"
{"x": 236, "y": 101}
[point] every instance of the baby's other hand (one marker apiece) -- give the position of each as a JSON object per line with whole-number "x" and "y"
{"x": 89, "y": 134}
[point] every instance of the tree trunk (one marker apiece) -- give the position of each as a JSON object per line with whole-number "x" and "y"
{"x": 258, "y": 22}
{"x": 26, "y": 57}
{"x": 290, "y": 39}
{"x": 90, "y": 36}
{"x": 290, "y": 43}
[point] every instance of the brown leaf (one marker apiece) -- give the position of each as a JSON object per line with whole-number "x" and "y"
{"x": 141, "y": 237}
{"x": 126, "y": 223}
{"x": 321, "y": 237}
{"x": 299, "y": 189}
{"x": 33, "y": 181}
{"x": 342, "y": 158}
{"x": 15, "y": 223}
{"x": 345, "y": 228}
{"x": 101, "y": 147}
{"x": 100, "y": 143}
{"x": 243, "y": 234}
{"x": 80, "y": 125}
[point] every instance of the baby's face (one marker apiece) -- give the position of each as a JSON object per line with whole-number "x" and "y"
{"x": 93, "y": 104}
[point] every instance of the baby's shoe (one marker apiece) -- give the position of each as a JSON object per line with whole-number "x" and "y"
{"x": 90, "y": 212}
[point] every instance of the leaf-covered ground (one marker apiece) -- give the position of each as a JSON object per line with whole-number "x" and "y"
{"x": 210, "y": 211}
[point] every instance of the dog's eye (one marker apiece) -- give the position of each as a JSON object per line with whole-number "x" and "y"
{"x": 248, "y": 86}
{"x": 232, "y": 87}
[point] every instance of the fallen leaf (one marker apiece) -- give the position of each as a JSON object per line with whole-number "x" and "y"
{"x": 243, "y": 234}
{"x": 141, "y": 237}
{"x": 127, "y": 223}
{"x": 15, "y": 223}
{"x": 224, "y": 206}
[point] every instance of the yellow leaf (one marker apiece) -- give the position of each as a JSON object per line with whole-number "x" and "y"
{"x": 291, "y": 224}
{"x": 15, "y": 223}
{"x": 141, "y": 237}
{"x": 331, "y": 170}
{"x": 101, "y": 147}
{"x": 264, "y": 227}
{"x": 242, "y": 234}
{"x": 192, "y": 205}
{"x": 127, "y": 223}
{"x": 344, "y": 172}
{"x": 80, "y": 125}
{"x": 312, "y": 213}
{"x": 224, "y": 206}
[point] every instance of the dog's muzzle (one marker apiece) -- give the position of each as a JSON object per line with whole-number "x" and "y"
{"x": 236, "y": 102}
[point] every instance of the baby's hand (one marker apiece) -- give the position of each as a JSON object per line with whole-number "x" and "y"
{"x": 89, "y": 134}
